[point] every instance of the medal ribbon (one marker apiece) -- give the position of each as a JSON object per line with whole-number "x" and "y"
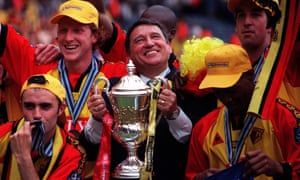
{"x": 258, "y": 67}
{"x": 146, "y": 170}
{"x": 76, "y": 108}
{"x": 233, "y": 157}
{"x": 249, "y": 121}
{"x": 260, "y": 63}
{"x": 38, "y": 134}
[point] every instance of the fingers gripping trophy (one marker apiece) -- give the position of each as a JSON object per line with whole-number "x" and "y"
{"x": 132, "y": 101}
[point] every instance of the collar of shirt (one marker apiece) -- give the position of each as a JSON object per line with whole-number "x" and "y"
{"x": 162, "y": 74}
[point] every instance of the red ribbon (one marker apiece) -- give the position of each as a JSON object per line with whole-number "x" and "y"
{"x": 102, "y": 167}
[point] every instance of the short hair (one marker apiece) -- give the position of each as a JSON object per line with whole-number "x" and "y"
{"x": 273, "y": 19}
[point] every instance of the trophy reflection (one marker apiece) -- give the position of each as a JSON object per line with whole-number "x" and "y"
{"x": 130, "y": 100}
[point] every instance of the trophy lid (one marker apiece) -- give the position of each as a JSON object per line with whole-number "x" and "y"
{"x": 130, "y": 84}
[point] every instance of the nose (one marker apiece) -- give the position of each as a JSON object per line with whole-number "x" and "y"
{"x": 68, "y": 36}
{"x": 149, "y": 42}
{"x": 37, "y": 113}
{"x": 247, "y": 19}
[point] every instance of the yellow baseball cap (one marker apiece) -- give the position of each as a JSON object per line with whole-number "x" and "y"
{"x": 45, "y": 81}
{"x": 79, "y": 10}
{"x": 270, "y": 5}
{"x": 225, "y": 65}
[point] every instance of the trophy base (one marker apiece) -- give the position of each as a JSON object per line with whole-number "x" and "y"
{"x": 128, "y": 169}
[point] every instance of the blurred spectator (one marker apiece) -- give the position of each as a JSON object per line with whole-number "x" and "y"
{"x": 31, "y": 17}
{"x": 234, "y": 39}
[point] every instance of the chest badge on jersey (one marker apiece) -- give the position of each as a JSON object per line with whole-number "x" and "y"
{"x": 218, "y": 140}
{"x": 256, "y": 134}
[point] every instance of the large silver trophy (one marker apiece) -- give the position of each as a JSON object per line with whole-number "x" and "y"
{"x": 130, "y": 99}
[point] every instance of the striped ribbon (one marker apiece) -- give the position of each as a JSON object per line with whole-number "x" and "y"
{"x": 233, "y": 157}
{"x": 38, "y": 134}
{"x": 75, "y": 108}
{"x": 146, "y": 170}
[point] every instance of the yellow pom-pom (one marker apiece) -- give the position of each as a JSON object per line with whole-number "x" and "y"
{"x": 192, "y": 60}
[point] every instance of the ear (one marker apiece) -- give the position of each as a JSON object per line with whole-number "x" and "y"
{"x": 169, "y": 47}
{"x": 95, "y": 36}
{"x": 61, "y": 109}
{"x": 172, "y": 34}
{"x": 269, "y": 31}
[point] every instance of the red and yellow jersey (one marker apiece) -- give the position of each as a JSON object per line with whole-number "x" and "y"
{"x": 68, "y": 159}
{"x": 114, "y": 69}
{"x": 208, "y": 147}
{"x": 17, "y": 56}
{"x": 85, "y": 113}
{"x": 13, "y": 107}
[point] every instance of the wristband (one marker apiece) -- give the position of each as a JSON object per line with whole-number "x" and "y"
{"x": 287, "y": 172}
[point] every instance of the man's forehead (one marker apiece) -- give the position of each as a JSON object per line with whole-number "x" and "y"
{"x": 69, "y": 22}
{"x": 145, "y": 30}
{"x": 37, "y": 104}
{"x": 38, "y": 93}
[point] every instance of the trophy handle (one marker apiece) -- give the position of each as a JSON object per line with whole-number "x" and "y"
{"x": 164, "y": 82}
{"x": 98, "y": 80}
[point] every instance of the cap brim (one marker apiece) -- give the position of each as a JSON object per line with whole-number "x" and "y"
{"x": 219, "y": 81}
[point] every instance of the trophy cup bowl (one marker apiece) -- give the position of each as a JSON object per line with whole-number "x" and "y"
{"x": 130, "y": 100}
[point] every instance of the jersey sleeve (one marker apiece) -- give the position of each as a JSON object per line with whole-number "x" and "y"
{"x": 197, "y": 158}
{"x": 17, "y": 55}
{"x": 287, "y": 129}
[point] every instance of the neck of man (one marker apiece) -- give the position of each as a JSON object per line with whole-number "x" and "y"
{"x": 237, "y": 118}
{"x": 255, "y": 52}
{"x": 151, "y": 73}
{"x": 237, "y": 122}
{"x": 78, "y": 66}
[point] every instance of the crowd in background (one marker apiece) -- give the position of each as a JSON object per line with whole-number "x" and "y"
{"x": 197, "y": 18}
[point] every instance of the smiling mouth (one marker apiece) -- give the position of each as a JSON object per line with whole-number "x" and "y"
{"x": 70, "y": 47}
{"x": 148, "y": 53}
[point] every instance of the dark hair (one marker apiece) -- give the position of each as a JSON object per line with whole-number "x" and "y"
{"x": 94, "y": 30}
{"x": 273, "y": 19}
{"x": 40, "y": 79}
{"x": 140, "y": 22}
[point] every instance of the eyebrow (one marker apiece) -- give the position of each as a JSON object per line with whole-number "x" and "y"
{"x": 36, "y": 104}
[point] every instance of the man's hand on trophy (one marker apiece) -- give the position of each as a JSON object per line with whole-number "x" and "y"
{"x": 167, "y": 102}
{"x": 96, "y": 105}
